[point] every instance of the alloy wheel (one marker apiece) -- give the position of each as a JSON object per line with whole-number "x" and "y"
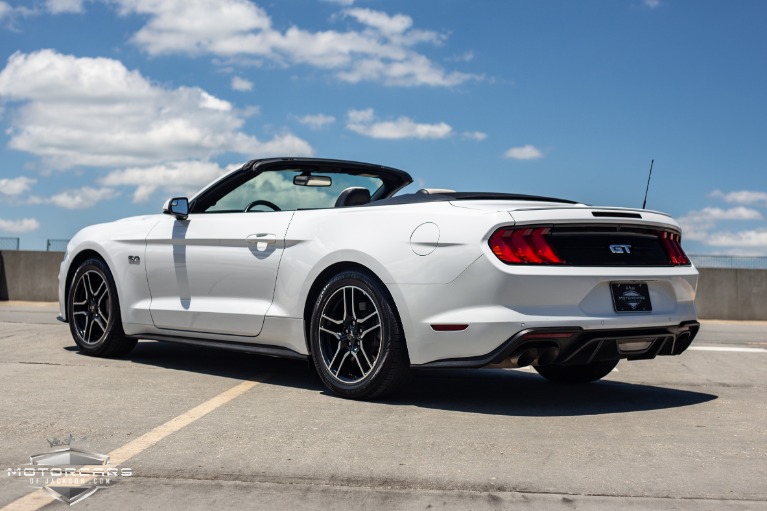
{"x": 350, "y": 333}
{"x": 91, "y": 307}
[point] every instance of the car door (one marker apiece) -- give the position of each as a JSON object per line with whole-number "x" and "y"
{"x": 215, "y": 273}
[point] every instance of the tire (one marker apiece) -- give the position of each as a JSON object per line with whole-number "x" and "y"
{"x": 356, "y": 338}
{"x": 577, "y": 374}
{"x": 93, "y": 310}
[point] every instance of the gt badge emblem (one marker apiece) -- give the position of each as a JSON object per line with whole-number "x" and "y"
{"x": 620, "y": 249}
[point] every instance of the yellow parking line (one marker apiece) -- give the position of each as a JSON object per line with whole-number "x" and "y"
{"x": 39, "y": 498}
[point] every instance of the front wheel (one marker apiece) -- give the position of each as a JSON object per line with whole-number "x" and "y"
{"x": 356, "y": 339}
{"x": 94, "y": 312}
{"x": 579, "y": 373}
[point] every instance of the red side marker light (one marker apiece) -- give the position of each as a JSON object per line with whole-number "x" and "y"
{"x": 449, "y": 328}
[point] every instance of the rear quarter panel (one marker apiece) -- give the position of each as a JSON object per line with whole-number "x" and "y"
{"x": 379, "y": 238}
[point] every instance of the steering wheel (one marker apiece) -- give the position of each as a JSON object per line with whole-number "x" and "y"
{"x": 261, "y": 203}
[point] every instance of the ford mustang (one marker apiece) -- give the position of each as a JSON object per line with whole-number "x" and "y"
{"x": 322, "y": 260}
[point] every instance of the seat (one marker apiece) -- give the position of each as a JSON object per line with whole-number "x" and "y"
{"x": 353, "y": 196}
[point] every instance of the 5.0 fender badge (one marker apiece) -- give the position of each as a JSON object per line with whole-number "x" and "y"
{"x": 134, "y": 259}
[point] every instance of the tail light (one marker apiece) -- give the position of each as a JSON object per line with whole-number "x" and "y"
{"x": 524, "y": 246}
{"x": 671, "y": 242}
{"x": 531, "y": 245}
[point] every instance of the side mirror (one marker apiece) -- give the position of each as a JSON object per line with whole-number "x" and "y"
{"x": 178, "y": 207}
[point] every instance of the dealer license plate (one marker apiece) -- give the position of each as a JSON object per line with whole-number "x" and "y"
{"x": 631, "y": 297}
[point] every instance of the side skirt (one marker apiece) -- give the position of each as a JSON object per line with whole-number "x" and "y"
{"x": 244, "y": 347}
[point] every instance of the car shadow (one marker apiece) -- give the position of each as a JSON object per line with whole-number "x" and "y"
{"x": 526, "y": 394}
{"x": 484, "y": 391}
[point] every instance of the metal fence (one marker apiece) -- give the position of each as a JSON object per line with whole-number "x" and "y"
{"x": 737, "y": 262}
{"x": 9, "y": 243}
{"x": 57, "y": 245}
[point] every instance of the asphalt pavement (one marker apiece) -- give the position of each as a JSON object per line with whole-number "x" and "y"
{"x": 203, "y": 429}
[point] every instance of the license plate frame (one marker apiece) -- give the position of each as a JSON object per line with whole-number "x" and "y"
{"x": 630, "y": 297}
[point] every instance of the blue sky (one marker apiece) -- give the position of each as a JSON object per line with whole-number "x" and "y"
{"x": 109, "y": 107}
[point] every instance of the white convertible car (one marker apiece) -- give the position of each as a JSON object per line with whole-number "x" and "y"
{"x": 317, "y": 259}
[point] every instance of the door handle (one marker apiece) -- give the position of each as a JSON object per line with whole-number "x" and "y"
{"x": 261, "y": 240}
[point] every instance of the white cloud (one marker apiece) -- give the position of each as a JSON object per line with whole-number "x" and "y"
{"x": 82, "y": 198}
{"x": 392, "y": 25}
{"x": 341, "y": 2}
{"x": 416, "y": 70}
{"x": 740, "y": 239}
{"x": 95, "y": 112}
{"x": 5, "y": 10}
{"x": 747, "y": 197}
{"x": 364, "y": 122}
{"x": 9, "y": 12}
{"x": 16, "y": 186}
{"x": 241, "y": 84}
{"x": 466, "y": 56}
{"x": 22, "y": 225}
{"x": 526, "y": 152}
{"x": 698, "y": 225}
{"x": 739, "y": 213}
{"x": 382, "y": 50}
{"x": 652, "y": 4}
{"x": 181, "y": 178}
{"x": 317, "y": 121}
{"x": 474, "y": 135}
{"x": 61, "y": 6}
{"x": 182, "y": 26}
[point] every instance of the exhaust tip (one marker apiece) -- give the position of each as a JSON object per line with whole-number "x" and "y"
{"x": 683, "y": 341}
{"x": 524, "y": 357}
{"x": 547, "y": 356}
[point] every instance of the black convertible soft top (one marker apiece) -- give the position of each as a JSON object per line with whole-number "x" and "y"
{"x": 417, "y": 198}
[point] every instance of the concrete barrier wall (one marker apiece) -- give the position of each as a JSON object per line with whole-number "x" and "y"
{"x": 30, "y": 276}
{"x": 725, "y": 293}
{"x": 722, "y": 293}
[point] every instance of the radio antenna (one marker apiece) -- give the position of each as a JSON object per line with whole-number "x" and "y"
{"x": 644, "y": 202}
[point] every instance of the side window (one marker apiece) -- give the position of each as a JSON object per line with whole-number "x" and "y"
{"x": 276, "y": 188}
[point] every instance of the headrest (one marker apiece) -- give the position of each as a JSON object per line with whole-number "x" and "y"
{"x": 353, "y": 196}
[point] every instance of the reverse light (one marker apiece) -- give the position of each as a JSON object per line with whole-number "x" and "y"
{"x": 523, "y": 246}
{"x": 672, "y": 243}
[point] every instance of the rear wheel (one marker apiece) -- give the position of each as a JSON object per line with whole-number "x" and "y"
{"x": 93, "y": 310}
{"x": 356, "y": 338}
{"x": 579, "y": 373}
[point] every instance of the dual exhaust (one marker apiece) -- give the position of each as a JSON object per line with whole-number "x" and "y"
{"x": 525, "y": 356}
{"x": 534, "y": 356}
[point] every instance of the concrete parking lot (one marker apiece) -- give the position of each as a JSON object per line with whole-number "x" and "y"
{"x": 204, "y": 429}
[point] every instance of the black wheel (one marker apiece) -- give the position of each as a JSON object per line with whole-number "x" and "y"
{"x": 356, "y": 339}
{"x": 94, "y": 312}
{"x": 577, "y": 374}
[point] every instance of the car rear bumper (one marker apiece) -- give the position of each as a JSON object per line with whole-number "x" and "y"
{"x": 575, "y": 346}
{"x": 493, "y": 303}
